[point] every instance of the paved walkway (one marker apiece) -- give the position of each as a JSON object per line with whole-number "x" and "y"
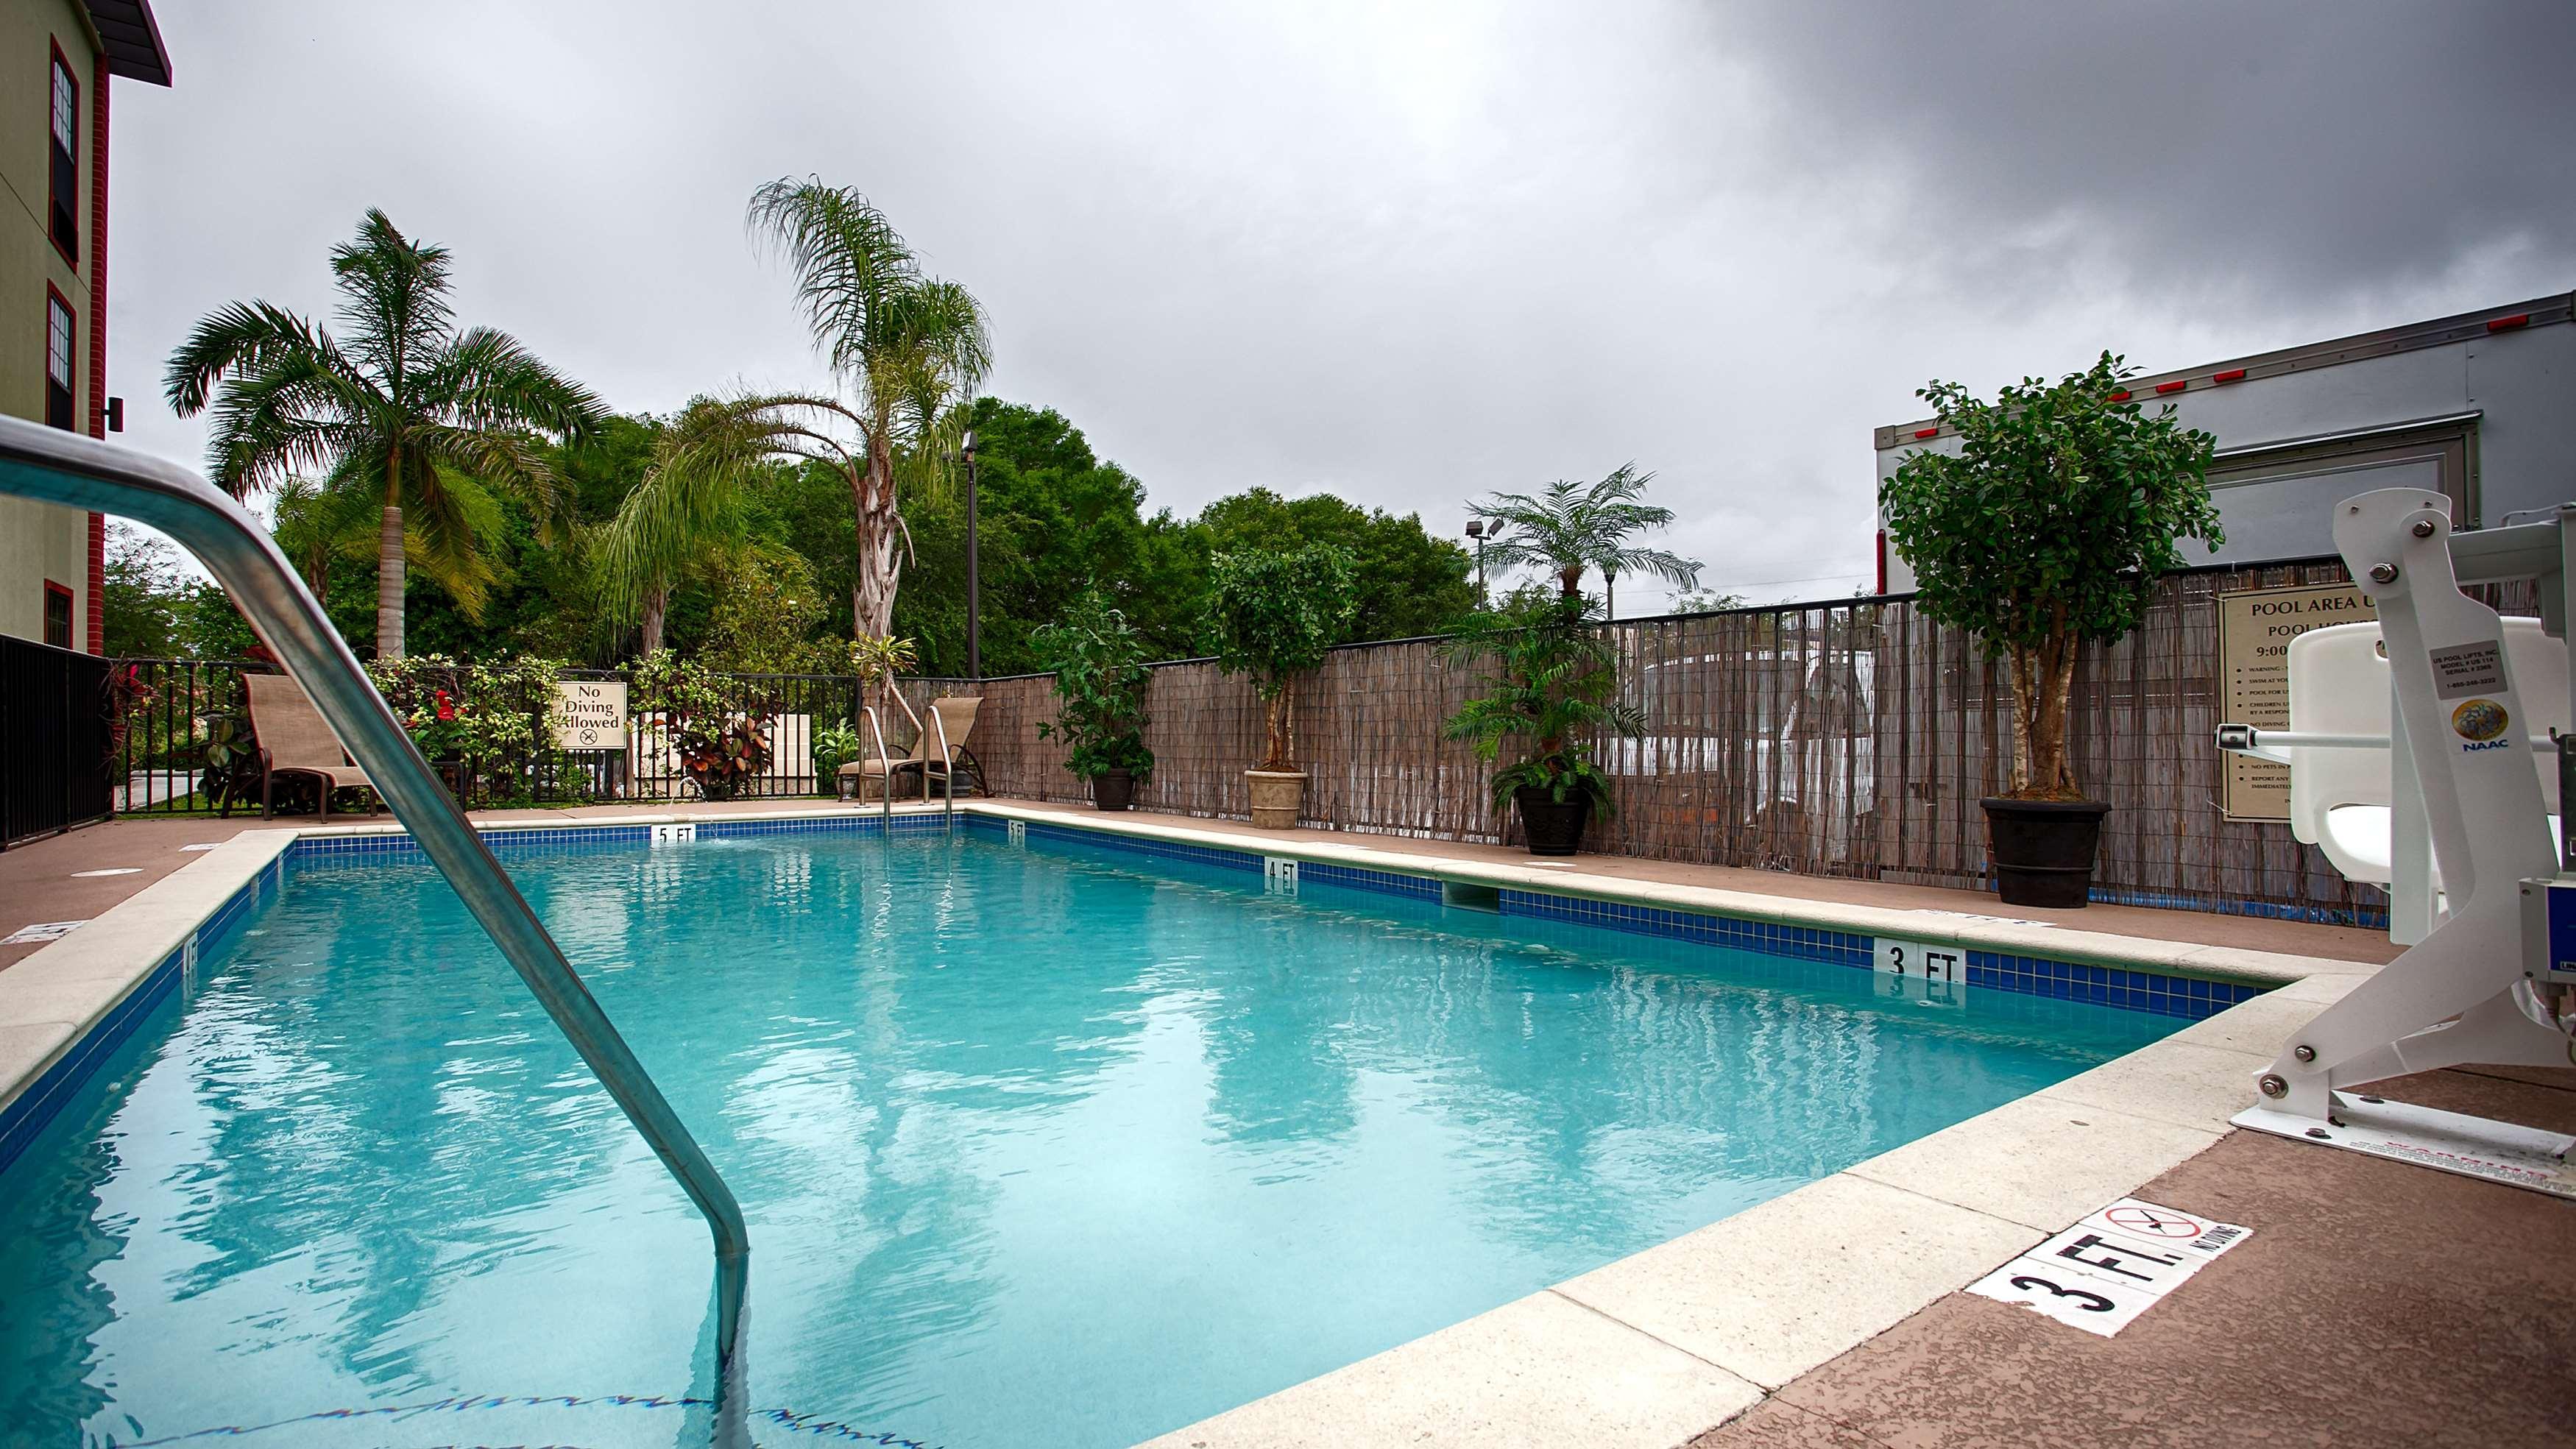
{"x": 2376, "y": 1304}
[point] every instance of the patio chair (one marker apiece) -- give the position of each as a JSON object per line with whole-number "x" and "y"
{"x": 957, "y": 715}
{"x": 293, "y": 739}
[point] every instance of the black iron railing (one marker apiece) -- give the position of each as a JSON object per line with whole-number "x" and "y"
{"x": 53, "y": 739}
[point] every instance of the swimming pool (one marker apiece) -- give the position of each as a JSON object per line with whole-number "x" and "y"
{"x": 1054, "y": 1144}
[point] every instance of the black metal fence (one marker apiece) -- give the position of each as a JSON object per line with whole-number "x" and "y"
{"x": 53, "y": 739}
{"x": 181, "y": 729}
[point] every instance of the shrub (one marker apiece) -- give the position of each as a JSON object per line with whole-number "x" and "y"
{"x": 1100, "y": 680}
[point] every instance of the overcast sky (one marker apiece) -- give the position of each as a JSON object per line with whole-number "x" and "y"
{"x": 1408, "y": 253}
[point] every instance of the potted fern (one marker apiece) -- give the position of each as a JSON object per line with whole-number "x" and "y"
{"x": 1273, "y": 616}
{"x": 1100, "y": 681}
{"x": 1551, "y": 679}
{"x": 2044, "y": 532}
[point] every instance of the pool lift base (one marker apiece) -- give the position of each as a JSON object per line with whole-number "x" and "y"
{"x": 2492, "y": 979}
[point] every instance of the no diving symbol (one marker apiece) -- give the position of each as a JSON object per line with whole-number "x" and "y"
{"x": 2154, "y": 1222}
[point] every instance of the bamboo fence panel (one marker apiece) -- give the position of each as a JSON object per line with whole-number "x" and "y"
{"x": 1852, "y": 738}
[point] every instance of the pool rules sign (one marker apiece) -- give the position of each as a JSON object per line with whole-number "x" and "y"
{"x": 2254, "y": 633}
{"x": 590, "y": 714}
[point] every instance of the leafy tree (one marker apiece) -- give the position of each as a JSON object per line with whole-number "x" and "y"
{"x": 156, "y": 607}
{"x": 1551, "y": 675}
{"x": 2048, "y": 529}
{"x": 432, "y": 418}
{"x": 1577, "y": 526}
{"x": 1273, "y": 615}
{"x": 1409, "y": 583}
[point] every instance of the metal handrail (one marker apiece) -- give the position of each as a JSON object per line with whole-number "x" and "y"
{"x": 947, "y": 762}
{"x": 60, "y": 467}
{"x": 885, "y": 762}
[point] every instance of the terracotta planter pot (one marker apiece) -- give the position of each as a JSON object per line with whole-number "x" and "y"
{"x": 2043, "y": 850}
{"x": 1113, "y": 789}
{"x": 1554, "y": 828}
{"x": 1278, "y": 797}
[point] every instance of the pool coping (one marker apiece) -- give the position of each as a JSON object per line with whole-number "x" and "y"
{"x": 1648, "y": 1351}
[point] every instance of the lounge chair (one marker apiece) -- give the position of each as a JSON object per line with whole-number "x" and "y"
{"x": 957, "y": 714}
{"x": 294, "y": 739}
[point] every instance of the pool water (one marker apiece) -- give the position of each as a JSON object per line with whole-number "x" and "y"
{"x": 1052, "y": 1146}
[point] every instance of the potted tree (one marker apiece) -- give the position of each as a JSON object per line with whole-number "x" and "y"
{"x": 1100, "y": 679}
{"x": 1273, "y": 616}
{"x": 1552, "y": 681}
{"x": 2044, "y": 532}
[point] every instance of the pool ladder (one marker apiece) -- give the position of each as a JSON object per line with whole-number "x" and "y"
{"x": 59, "y": 467}
{"x": 885, "y": 761}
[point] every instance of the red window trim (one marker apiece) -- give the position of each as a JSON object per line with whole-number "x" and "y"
{"x": 65, "y": 62}
{"x": 71, "y": 611}
{"x": 54, "y": 295}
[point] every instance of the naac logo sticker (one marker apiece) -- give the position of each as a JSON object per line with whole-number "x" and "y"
{"x": 2481, "y": 722}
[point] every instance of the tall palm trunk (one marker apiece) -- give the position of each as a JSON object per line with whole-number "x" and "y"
{"x": 389, "y": 564}
{"x": 657, "y": 607}
{"x": 879, "y": 526}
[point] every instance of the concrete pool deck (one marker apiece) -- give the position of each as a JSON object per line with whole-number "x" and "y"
{"x": 1794, "y": 1318}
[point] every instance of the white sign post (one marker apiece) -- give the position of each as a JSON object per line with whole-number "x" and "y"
{"x": 590, "y": 714}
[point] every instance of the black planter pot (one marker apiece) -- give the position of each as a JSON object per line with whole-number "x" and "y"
{"x": 1113, "y": 789}
{"x": 2044, "y": 850}
{"x": 1554, "y": 828}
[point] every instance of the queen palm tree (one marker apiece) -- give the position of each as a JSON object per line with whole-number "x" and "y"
{"x": 909, "y": 351}
{"x": 432, "y": 419}
{"x": 1577, "y": 526}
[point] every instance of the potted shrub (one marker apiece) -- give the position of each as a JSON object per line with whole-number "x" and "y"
{"x": 2044, "y": 532}
{"x": 1273, "y": 615}
{"x": 1551, "y": 678}
{"x": 1100, "y": 679}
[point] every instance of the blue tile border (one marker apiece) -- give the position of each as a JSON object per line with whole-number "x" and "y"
{"x": 1803, "y": 943}
{"x": 2187, "y": 997}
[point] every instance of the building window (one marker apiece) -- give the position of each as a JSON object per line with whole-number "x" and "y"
{"x": 58, "y": 360}
{"x": 64, "y": 181}
{"x": 58, "y": 615}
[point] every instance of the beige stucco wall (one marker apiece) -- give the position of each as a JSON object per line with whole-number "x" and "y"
{"x": 39, "y": 542}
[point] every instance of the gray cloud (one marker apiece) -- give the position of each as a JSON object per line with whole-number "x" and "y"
{"x": 1406, "y": 253}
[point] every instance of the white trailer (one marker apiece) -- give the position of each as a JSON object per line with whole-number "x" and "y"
{"x": 2480, "y": 408}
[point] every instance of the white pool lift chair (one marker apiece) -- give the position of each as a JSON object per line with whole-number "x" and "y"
{"x": 2345, "y": 800}
{"x": 2490, "y": 976}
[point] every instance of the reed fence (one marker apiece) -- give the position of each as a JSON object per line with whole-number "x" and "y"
{"x": 1847, "y": 738}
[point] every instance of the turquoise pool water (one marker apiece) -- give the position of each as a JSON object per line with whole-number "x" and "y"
{"x": 1054, "y": 1146}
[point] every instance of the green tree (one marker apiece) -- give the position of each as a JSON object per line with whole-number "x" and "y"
{"x": 1577, "y": 526}
{"x": 1273, "y": 615}
{"x": 437, "y": 418}
{"x": 2046, "y": 530}
{"x": 1409, "y": 583}
{"x": 1100, "y": 682}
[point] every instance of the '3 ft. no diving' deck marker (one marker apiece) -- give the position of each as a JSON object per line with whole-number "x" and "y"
{"x": 2100, "y": 1274}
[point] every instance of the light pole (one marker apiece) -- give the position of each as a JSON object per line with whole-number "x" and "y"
{"x": 1476, "y": 534}
{"x": 1610, "y": 593}
{"x": 974, "y": 575}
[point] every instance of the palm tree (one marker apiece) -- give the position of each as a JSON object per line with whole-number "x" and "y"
{"x": 429, "y": 418}
{"x": 909, "y": 350}
{"x": 1577, "y": 526}
{"x": 683, "y": 513}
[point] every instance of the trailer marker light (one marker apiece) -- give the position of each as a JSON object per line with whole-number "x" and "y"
{"x": 1927, "y": 432}
{"x": 2507, "y": 324}
{"x": 2233, "y": 374}
{"x": 2121, "y": 396}
{"x": 2177, "y": 385}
